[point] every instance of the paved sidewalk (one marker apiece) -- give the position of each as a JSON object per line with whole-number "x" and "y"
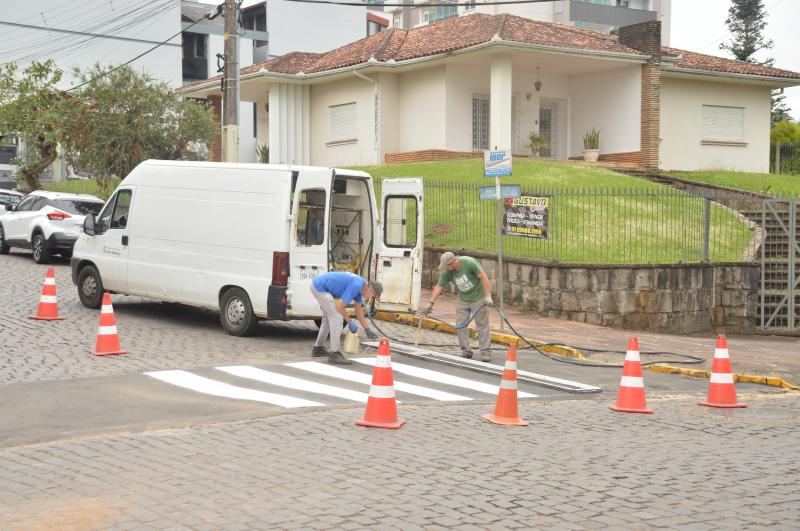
{"x": 758, "y": 355}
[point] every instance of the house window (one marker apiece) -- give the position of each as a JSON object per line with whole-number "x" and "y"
{"x": 723, "y": 124}
{"x": 426, "y": 16}
{"x": 396, "y": 22}
{"x": 480, "y": 122}
{"x": 469, "y": 6}
{"x": 442, "y": 12}
{"x": 342, "y": 124}
{"x": 374, "y": 27}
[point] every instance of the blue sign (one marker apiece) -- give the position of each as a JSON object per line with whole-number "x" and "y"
{"x": 497, "y": 163}
{"x": 507, "y": 191}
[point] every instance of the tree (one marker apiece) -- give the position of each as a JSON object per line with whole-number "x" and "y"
{"x": 126, "y": 117}
{"x": 746, "y": 21}
{"x": 29, "y": 108}
{"x": 785, "y": 131}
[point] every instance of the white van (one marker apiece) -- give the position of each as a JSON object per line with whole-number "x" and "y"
{"x": 247, "y": 239}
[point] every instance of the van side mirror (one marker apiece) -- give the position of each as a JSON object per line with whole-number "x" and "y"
{"x": 88, "y": 225}
{"x": 11, "y": 208}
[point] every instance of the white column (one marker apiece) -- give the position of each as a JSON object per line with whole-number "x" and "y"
{"x": 500, "y": 103}
{"x": 289, "y": 123}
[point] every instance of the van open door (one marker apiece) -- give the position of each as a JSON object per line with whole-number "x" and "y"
{"x": 400, "y": 248}
{"x": 308, "y": 238}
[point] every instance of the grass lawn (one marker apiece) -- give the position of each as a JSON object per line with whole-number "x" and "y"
{"x": 767, "y": 183}
{"x": 595, "y": 215}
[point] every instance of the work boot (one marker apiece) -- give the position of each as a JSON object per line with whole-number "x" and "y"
{"x": 485, "y": 356}
{"x": 466, "y": 354}
{"x": 318, "y": 352}
{"x": 336, "y": 358}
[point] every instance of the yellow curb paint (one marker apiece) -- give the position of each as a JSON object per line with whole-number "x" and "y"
{"x": 772, "y": 381}
{"x": 503, "y": 339}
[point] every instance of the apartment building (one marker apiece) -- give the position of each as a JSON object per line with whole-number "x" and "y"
{"x": 597, "y": 15}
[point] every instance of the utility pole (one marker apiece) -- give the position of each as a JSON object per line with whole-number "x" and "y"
{"x": 230, "y": 92}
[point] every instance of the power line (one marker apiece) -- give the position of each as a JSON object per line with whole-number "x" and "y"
{"x": 74, "y": 32}
{"x": 427, "y": 4}
{"x": 207, "y": 16}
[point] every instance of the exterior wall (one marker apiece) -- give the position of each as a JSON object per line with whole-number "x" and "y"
{"x": 681, "y": 125}
{"x": 422, "y": 103}
{"x": 360, "y": 152}
{"x": 608, "y": 101}
{"x": 683, "y": 299}
{"x": 294, "y": 27}
{"x": 390, "y": 113}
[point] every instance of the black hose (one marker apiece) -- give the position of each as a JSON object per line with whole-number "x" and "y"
{"x": 688, "y": 359}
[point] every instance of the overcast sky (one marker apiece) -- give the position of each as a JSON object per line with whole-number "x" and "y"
{"x": 699, "y": 26}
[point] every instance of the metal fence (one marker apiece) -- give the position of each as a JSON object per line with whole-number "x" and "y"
{"x": 785, "y": 158}
{"x": 598, "y": 225}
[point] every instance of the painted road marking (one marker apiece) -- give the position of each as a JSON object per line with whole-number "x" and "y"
{"x": 252, "y": 373}
{"x": 366, "y": 379}
{"x": 215, "y": 388}
{"x": 444, "y": 378}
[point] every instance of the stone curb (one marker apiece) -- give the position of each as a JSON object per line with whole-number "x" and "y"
{"x": 508, "y": 339}
{"x": 772, "y": 381}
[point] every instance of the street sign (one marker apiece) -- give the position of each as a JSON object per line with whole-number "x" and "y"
{"x": 497, "y": 163}
{"x": 506, "y": 191}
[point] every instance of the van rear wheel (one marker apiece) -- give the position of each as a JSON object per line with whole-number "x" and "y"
{"x": 236, "y": 313}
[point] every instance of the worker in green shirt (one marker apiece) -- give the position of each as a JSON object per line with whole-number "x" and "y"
{"x": 474, "y": 292}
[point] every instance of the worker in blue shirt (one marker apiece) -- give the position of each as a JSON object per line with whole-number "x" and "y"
{"x": 334, "y": 291}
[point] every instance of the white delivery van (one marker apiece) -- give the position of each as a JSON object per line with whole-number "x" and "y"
{"x": 247, "y": 239}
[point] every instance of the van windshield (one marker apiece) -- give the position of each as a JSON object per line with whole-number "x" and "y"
{"x": 82, "y": 208}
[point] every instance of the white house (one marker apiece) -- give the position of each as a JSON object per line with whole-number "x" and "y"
{"x": 483, "y": 81}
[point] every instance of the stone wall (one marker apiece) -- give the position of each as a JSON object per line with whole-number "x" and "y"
{"x": 680, "y": 299}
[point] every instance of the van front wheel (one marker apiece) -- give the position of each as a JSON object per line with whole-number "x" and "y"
{"x": 90, "y": 287}
{"x": 236, "y": 313}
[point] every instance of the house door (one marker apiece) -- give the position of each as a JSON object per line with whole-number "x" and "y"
{"x": 547, "y": 128}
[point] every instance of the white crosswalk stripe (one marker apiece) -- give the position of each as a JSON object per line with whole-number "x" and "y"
{"x": 444, "y": 378}
{"x": 347, "y": 376}
{"x": 213, "y": 387}
{"x": 353, "y": 376}
{"x": 274, "y": 378}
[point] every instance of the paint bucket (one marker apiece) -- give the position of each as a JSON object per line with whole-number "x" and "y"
{"x": 351, "y": 344}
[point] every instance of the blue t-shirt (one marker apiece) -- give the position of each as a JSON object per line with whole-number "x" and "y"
{"x": 342, "y": 285}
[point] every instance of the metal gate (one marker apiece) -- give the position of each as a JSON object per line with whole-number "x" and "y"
{"x": 780, "y": 255}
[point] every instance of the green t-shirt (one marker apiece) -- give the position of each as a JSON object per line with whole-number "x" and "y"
{"x": 470, "y": 288}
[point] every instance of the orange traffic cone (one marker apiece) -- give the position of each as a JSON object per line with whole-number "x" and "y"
{"x": 48, "y": 305}
{"x": 107, "y": 337}
{"x": 630, "y": 398}
{"x": 721, "y": 391}
{"x": 381, "y": 409}
{"x": 506, "y": 410}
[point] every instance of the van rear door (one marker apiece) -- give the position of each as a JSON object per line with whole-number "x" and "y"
{"x": 308, "y": 238}
{"x": 401, "y": 243}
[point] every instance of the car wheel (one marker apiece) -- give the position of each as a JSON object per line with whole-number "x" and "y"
{"x": 4, "y": 249}
{"x": 90, "y": 287}
{"x": 236, "y": 313}
{"x": 40, "y": 253}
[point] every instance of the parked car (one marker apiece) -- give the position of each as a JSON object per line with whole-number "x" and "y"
{"x": 47, "y": 223}
{"x": 9, "y": 197}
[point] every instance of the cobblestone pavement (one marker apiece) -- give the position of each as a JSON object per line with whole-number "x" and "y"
{"x": 576, "y": 466}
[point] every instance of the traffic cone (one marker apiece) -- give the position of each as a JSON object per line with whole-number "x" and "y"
{"x": 48, "y": 305}
{"x": 381, "y": 409}
{"x": 506, "y": 410}
{"x": 721, "y": 391}
{"x": 630, "y": 398}
{"x": 107, "y": 337}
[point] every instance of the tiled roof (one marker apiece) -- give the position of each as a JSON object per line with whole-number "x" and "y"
{"x": 699, "y": 61}
{"x": 478, "y": 28}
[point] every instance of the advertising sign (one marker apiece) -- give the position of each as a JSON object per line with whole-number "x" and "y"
{"x": 497, "y": 163}
{"x": 526, "y": 216}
